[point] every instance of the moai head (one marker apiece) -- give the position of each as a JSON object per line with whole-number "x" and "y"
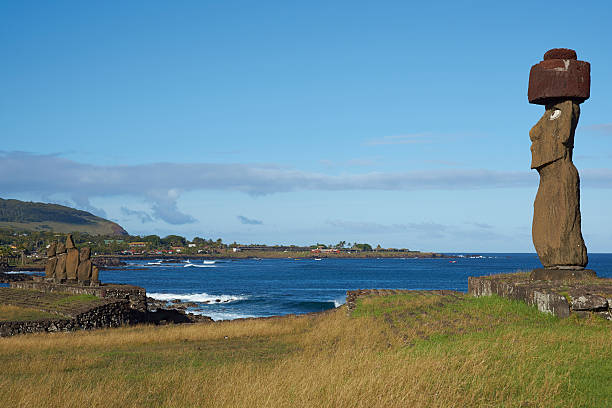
{"x": 69, "y": 242}
{"x": 51, "y": 249}
{"x": 560, "y": 83}
{"x": 553, "y": 136}
{"x": 84, "y": 254}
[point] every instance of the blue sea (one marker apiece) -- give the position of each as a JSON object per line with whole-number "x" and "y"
{"x": 230, "y": 289}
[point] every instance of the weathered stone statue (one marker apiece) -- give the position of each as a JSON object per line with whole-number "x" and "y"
{"x": 72, "y": 260}
{"x": 66, "y": 264}
{"x": 84, "y": 270}
{"x": 560, "y": 83}
{"x": 95, "y": 281}
{"x": 60, "y": 267}
{"x": 51, "y": 262}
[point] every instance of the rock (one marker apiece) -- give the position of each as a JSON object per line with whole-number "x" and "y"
{"x": 561, "y": 274}
{"x": 84, "y": 271}
{"x": 51, "y": 250}
{"x": 556, "y": 231}
{"x": 560, "y": 53}
{"x": 590, "y": 302}
{"x": 72, "y": 263}
{"x": 50, "y": 266}
{"x": 559, "y": 77}
{"x": 60, "y": 249}
{"x": 60, "y": 268}
{"x": 176, "y": 301}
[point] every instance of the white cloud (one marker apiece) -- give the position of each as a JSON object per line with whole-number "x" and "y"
{"x": 161, "y": 184}
{"x": 142, "y": 215}
{"x": 605, "y": 128}
{"x": 248, "y": 221}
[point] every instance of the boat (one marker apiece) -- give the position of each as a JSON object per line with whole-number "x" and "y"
{"x": 209, "y": 262}
{"x": 154, "y": 263}
{"x": 317, "y": 259}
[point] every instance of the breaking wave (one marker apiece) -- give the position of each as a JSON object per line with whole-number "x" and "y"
{"x": 216, "y": 316}
{"x": 197, "y": 297}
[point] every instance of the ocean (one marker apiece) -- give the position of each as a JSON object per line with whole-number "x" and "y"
{"x": 230, "y": 289}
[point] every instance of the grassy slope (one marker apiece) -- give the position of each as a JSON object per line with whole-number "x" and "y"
{"x": 9, "y": 313}
{"x": 100, "y": 227}
{"x": 31, "y": 216}
{"x": 406, "y": 350}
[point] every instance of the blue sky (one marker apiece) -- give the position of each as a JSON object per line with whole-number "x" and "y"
{"x": 298, "y": 122}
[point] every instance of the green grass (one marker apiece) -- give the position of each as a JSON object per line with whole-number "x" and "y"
{"x": 518, "y": 343}
{"x": 420, "y": 349}
{"x": 75, "y": 300}
{"x": 14, "y": 313}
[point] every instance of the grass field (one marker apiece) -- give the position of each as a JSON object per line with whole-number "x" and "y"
{"x": 409, "y": 350}
{"x": 9, "y": 313}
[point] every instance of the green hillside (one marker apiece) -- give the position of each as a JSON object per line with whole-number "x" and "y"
{"x": 30, "y": 216}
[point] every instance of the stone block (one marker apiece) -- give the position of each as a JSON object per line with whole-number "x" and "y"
{"x": 560, "y": 53}
{"x": 550, "y": 302}
{"x": 590, "y": 302}
{"x": 72, "y": 263}
{"x": 561, "y": 274}
{"x": 559, "y": 77}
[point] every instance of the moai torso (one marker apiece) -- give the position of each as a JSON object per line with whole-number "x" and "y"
{"x": 556, "y": 230}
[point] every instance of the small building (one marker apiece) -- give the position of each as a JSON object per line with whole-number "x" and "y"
{"x": 138, "y": 244}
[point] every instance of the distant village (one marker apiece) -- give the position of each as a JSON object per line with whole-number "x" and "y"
{"x": 23, "y": 247}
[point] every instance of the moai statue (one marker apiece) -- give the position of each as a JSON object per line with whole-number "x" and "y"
{"x": 60, "y": 267}
{"x": 94, "y": 276}
{"x": 72, "y": 260}
{"x": 560, "y": 83}
{"x": 51, "y": 262}
{"x": 84, "y": 271}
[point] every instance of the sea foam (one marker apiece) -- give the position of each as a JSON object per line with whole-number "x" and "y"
{"x": 197, "y": 297}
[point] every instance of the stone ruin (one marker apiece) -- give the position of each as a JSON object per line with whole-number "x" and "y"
{"x": 561, "y": 83}
{"x": 66, "y": 264}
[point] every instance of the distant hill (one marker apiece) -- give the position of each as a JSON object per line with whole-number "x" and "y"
{"x": 31, "y": 216}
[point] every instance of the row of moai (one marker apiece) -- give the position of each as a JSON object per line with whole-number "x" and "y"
{"x": 66, "y": 264}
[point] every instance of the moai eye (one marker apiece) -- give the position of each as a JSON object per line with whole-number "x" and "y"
{"x": 555, "y": 114}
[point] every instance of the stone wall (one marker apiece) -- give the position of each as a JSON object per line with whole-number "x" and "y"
{"x": 136, "y": 296}
{"x": 112, "y": 314}
{"x": 559, "y": 297}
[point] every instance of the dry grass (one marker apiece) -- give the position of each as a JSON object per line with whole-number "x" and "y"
{"x": 405, "y": 350}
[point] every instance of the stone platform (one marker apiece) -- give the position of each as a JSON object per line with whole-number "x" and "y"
{"x": 562, "y": 294}
{"x": 67, "y": 312}
{"x": 135, "y": 295}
